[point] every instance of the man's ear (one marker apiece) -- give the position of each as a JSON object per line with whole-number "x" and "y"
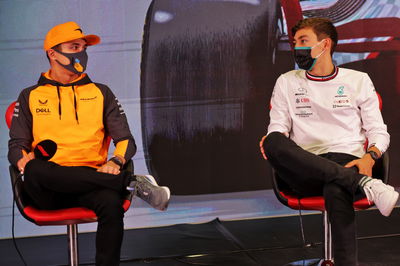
{"x": 51, "y": 53}
{"x": 328, "y": 43}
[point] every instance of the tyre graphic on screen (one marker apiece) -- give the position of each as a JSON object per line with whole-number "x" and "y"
{"x": 208, "y": 69}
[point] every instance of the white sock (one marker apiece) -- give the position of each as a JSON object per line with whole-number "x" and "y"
{"x": 364, "y": 181}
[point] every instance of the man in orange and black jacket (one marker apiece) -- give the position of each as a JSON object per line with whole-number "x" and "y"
{"x": 78, "y": 115}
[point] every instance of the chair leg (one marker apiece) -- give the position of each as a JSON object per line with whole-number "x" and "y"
{"x": 72, "y": 230}
{"x": 328, "y": 258}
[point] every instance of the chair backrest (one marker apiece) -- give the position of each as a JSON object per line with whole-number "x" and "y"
{"x": 19, "y": 195}
{"x": 9, "y": 113}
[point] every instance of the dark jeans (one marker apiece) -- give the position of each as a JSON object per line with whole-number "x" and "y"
{"x": 51, "y": 186}
{"x": 310, "y": 175}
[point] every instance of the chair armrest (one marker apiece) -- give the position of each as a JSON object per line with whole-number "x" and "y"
{"x": 277, "y": 187}
{"x": 128, "y": 166}
{"x": 381, "y": 168}
{"x": 20, "y": 197}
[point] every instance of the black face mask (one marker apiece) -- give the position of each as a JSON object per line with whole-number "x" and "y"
{"x": 78, "y": 61}
{"x": 303, "y": 58}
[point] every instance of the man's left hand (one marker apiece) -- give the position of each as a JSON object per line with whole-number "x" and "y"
{"x": 109, "y": 168}
{"x": 364, "y": 165}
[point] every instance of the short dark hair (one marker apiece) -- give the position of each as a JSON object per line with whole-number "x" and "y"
{"x": 322, "y": 27}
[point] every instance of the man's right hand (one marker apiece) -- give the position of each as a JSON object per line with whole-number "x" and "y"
{"x": 262, "y": 147}
{"x": 24, "y": 160}
{"x": 109, "y": 168}
{"x": 262, "y": 144}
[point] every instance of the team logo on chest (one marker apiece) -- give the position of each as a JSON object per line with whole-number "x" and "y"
{"x": 341, "y": 99}
{"x": 340, "y": 90}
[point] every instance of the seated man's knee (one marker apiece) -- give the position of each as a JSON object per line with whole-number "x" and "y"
{"x": 272, "y": 143}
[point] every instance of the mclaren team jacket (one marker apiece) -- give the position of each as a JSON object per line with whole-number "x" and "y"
{"x": 77, "y": 116}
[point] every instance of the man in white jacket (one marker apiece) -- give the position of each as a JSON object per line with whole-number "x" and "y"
{"x": 320, "y": 118}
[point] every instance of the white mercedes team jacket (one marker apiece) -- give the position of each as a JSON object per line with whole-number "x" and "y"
{"x": 330, "y": 114}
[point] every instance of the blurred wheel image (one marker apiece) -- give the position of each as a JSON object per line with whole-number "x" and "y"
{"x": 208, "y": 70}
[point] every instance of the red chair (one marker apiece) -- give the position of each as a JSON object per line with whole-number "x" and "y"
{"x": 70, "y": 217}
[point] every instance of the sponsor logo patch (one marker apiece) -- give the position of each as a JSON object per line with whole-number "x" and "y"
{"x": 88, "y": 98}
{"x": 43, "y": 111}
{"x": 43, "y": 102}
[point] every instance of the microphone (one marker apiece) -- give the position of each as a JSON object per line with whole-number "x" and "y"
{"x": 45, "y": 150}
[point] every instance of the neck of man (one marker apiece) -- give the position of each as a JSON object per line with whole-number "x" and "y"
{"x": 61, "y": 75}
{"x": 323, "y": 67}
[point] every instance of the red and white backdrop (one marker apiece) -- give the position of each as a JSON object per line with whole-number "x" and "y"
{"x": 208, "y": 68}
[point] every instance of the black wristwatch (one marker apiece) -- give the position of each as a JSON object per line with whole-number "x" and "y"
{"x": 117, "y": 161}
{"x": 374, "y": 155}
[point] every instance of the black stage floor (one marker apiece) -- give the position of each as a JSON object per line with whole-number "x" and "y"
{"x": 268, "y": 241}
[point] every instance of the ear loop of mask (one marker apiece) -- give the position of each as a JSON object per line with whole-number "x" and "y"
{"x": 322, "y": 50}
{"x": 315, "y": 58}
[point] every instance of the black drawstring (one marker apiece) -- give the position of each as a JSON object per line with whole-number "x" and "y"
{"x": 76, "y": 113}
{"x": 59, "y": 101}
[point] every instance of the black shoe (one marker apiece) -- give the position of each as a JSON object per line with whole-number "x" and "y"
{"x": 146, "y": 188}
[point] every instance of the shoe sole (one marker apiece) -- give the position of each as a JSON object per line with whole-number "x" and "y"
{"x": 387, "y": 211}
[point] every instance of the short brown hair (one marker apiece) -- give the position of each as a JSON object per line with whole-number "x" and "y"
{"x": 322, "y": 27}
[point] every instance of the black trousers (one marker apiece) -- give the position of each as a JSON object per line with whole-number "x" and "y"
{"x": 311, "y": 175}
{"x": 51, "y": 186}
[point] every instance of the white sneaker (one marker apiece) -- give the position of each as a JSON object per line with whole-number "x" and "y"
{"x": 384, "y": 196}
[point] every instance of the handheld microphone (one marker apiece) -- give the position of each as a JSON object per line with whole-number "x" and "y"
{"x": 45, "y": 150}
